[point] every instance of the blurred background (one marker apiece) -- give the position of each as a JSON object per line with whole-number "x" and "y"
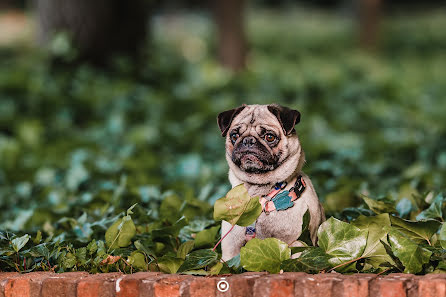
{"x": 108, "y": 103}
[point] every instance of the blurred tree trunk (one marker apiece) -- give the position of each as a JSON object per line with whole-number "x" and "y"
{"x": 97, "y": 28}
{"x": 228, "y": 15}
{"x": 369, "y": 19}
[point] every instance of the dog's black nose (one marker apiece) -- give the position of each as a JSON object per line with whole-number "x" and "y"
{"x": 249, "y": 141}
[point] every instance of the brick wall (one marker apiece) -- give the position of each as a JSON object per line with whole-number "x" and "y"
{"x": 248, "y": 284}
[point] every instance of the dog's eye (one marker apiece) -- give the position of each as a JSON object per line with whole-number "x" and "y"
{"x": 270, "y": 137}
{"x": 234, "y": 137}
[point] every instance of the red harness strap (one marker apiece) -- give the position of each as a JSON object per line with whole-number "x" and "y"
{"x": 294, "y": 193}
{"x": 269, "y": 205}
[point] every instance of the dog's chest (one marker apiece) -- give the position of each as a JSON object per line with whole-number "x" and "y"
{"x": 285, "y": 225}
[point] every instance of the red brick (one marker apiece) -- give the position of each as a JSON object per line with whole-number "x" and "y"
{"x": 64, "y": 284}
{"x": 98, "y": 285}
{"x": 247, "y": 284}
{"x": 171, "y": 286}
{"x": 4, "y": 277}
{"x": 277, "y": 284}
{"x": 389, "y": 287}
{"x": 26, "y": 285}
{"x": 18, "y": 288}
{"x": 320, "y": 285}
{"x": 203, "y": 287}
{"x": 282, "y": 287}
{"x": 357, "y": 285}
{"x": 240, "y": 285}
{"x": 433, "y": 285}
{"x": 147, "y": 284}
{"x": 130, "y": 285}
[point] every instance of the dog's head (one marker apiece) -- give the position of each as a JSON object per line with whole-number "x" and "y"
{"x": 261, "y": 143}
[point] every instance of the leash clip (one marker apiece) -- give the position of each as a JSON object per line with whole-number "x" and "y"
{"x": 281, "y": 186}
{"x": 250, "y": 232}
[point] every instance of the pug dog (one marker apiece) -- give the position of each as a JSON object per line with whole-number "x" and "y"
{"x": 263, "y": 152}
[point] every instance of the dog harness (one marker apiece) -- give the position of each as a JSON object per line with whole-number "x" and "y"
{"x": 278, "y": 199}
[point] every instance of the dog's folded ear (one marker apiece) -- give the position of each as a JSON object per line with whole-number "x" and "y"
{"x": 225, "y": 118}
{"x": 288, "y": 118}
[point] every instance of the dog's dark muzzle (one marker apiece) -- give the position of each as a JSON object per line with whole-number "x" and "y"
{"x": 251, "y": 156}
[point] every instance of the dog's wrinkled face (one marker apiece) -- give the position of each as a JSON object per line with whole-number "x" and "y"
{"x": 259, "y": 138}
{"x": 255, "y": 145}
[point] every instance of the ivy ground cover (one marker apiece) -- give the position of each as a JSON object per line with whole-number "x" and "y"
{"x": 119, "y": 170}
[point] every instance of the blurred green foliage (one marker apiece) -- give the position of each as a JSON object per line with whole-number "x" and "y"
{"x": 79, "y": 145}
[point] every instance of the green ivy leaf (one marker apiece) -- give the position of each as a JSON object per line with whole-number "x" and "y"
{"x": 171, "y": 231}
{"x": 193, "y": 207}
{"x": 38, "y": 237}
{"x": 377, "y": 227}
{"x": 19, "y": 242}
{"x": 159, "y": 246}
{"x": 81, "y": 255}
{"x": 266, "y": 254}
{"x": 442, "y": 266}
{"x": 419, "y": 231}
{"x": 379, "y": 206}
{"x": 206, "y": 237}
{"x": 101, "y": 248}
{"x": 237, "y": 207}
{"x": 411, "y": 254}
{"x": 92, "y": 247}
{"x": 442, "y": 236}
{"x": 311, "y": 260}
{"x": 434, "y": 211}
{"x": 305, "y": 236}
{"x": 215, "y": 270}
{"x": 170, "y": 208}
{"x": 130, "y": 209}
{"x": 234, "y": 262}
{"x": 193, "y": 227}
{"x": 120, "y": 234}
{"x": 198, "y": 259}
{"x": 68, "y": 261}
{"x": 306, "y": 221}
{"x": 398, "y": 265}
{"x": 41, "y": 250}
{"x": 300, "y": 249}
{"x": 342, "y": 241}
{"x": 185, "y": 249}
{"x": 142, "y": 248}
{"x": 137, "y": 260}
{"x": 169, "y": 264}
{"x": 201, "y": 272}
{"x": 404, "y": 207}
